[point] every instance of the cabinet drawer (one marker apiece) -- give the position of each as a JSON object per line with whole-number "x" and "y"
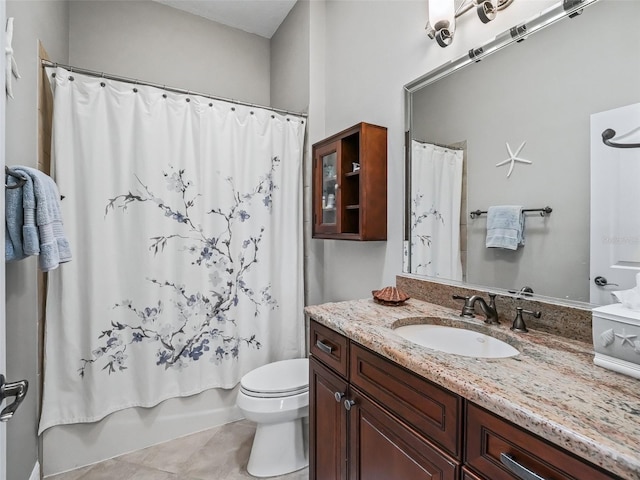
{"x": 432, "y": 411}
{"x": 488, "y": 437}
{"x": 330, "y": 347}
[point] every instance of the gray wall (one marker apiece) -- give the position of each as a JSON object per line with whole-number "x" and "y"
{"x": 371, "y": 49}
{"x": 290, "y": 90}
{"x": 47, "y": 21}
{"x": 157, "y": 43}
{"x": 290, "y": 60}
{"x": 542, "y": 91}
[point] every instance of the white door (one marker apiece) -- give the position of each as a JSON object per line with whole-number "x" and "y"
{"x": 3, "y": 428}
{"x": 615, "y": 204}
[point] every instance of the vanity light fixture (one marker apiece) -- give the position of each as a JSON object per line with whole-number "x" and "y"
{"x": 443, "y": 14}
{"x": 442, "y": 21}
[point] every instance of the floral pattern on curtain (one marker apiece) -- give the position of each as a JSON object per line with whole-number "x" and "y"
{"x": 186, "y": 216}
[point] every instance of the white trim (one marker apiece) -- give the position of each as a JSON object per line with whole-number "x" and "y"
{"x": 35, "y": 474}
{"x": 617, "y": 365}
{"x": 3, "y": 428}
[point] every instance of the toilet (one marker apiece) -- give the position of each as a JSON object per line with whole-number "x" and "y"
{"x": 276, "y": 397}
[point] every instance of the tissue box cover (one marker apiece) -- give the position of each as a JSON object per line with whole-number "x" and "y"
{"x": 616, "y": 339}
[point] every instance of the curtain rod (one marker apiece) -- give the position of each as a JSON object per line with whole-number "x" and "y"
{"x": 93, "y": 73}
{"x": 441, "y": 145}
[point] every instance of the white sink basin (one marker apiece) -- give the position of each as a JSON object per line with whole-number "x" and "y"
{"x": 458, "y": 341}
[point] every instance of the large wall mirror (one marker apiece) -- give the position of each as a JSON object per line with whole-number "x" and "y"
{"x": 533, "y": 100}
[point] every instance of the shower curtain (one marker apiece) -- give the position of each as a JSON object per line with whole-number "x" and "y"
{"x": 436, "y": 195}
{"x": 185, "y": 218}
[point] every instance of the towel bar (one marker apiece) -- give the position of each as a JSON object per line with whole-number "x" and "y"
{"x": 543, "y": 211}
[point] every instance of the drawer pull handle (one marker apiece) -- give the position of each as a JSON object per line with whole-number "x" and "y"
{"x": 348, "y": 404}
{"x": 338, "y": 396}
{"x": 518, "y": 470}
{"x": 324, "y": 347}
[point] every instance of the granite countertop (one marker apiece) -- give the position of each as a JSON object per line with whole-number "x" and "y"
{"x": 552, "y": 388}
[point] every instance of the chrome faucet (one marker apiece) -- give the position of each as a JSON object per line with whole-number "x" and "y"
{"x": 490, "y": 311}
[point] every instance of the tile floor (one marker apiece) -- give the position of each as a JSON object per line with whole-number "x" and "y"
{"x": 220, "y": 453}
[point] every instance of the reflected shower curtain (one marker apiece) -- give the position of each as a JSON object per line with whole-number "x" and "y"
{"x": 185, "y": 216}
{"x": 436, "y": 195}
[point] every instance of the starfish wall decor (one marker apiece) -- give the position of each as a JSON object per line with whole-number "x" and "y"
{"x": 513, "y": 158}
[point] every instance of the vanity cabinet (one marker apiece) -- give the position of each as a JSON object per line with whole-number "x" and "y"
{"x": 370, "y": 419}
{"x": 349, "y": 187}
{"x": 360, "y": 430}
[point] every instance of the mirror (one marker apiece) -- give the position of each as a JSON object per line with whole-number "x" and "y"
{"x": 534, "y": 100}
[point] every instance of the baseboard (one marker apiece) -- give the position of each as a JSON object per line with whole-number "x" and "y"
{"x": 35, "y": 474}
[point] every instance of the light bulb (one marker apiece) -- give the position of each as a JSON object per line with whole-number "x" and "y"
{"x": 442, "y": 14}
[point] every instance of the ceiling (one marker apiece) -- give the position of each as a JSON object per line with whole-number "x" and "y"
{"x": 262, "y": 17}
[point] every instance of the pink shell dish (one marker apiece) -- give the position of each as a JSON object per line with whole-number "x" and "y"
{"x": 389, "y": 296}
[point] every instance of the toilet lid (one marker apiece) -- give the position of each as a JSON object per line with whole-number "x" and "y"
{"x": 287, "y": 377}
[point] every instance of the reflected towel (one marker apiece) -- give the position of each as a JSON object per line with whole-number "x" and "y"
{"x": 505, "y": 227}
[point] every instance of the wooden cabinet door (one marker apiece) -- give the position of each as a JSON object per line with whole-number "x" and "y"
{"x": 326, "y": 192}
{"x": 431, "y": 410}
{"x": 469, "y": 475}
{"x": 384, "y": 448}
{"x": 327, "y": 424}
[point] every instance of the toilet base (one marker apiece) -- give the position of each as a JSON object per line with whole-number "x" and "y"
{"x": 278, "y": 448}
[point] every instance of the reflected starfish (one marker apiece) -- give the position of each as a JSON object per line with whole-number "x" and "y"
{"x": 513, "y": 158}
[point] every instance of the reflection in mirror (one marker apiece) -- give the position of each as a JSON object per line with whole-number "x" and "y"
{"x": 533, "y": 100}
{"x": 436, "y": 198}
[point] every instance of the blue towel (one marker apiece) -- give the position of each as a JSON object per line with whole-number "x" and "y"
{"x": 505, "y": 227}
{"x": 30, "y": 240}
{"x": 42, "y": 232}
{"x": 14, "y": 221}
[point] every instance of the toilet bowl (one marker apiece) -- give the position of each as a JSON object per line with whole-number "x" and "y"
{"x": 276, "y": 397}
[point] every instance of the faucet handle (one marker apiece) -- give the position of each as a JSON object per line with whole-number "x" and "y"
{"x": 518, "y": 322}
{"x": 467, "y": 309}
{"x": 529, "y": 312}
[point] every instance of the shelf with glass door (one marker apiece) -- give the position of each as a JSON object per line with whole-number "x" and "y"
{"x": 350, "y": 184}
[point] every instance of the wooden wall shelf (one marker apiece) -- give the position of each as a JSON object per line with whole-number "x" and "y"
{"x": 349, "y": 203}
